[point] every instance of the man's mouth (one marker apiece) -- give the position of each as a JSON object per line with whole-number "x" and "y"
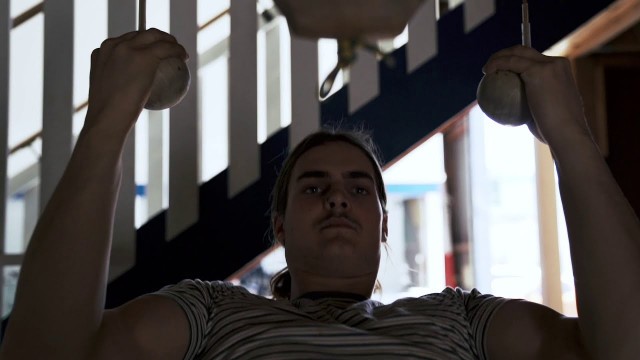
{"x": 338, "y": 222}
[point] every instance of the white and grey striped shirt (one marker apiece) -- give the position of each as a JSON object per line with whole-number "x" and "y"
{"x": 228, "y": 322}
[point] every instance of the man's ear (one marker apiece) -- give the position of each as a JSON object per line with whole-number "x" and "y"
{"x": 278, "y": 228}
{"x": 385, "y": 228}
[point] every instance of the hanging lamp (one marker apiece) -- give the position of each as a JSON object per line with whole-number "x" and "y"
{"x": 354, "y": 23}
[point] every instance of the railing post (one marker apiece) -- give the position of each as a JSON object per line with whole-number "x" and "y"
{"x": 244, "y": 153}
{"x": 364, "y": 80}
{"x": 31, "y": 211}
{"x": 184, "y": 128}
{"x": 156, "y": 163}
{"x": 57, "y": 94}
{"x": 122, "y": 19}
{"x": 476, "y": 12}
{"x": 305, "y": 105}
{"x": 5, "y": 18}
{"x": 273, "y": 76}
{"x": 423, "y": 36}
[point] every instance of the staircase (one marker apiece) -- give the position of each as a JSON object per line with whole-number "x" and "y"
{"x": 231, "y": 232}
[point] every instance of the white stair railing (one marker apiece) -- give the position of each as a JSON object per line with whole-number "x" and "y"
{"x": 294, "y": 97}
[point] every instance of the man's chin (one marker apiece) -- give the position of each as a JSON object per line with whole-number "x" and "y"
{"x": 338, "y": 243}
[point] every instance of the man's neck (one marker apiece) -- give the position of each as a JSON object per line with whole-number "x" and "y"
{"x": 305, "y": 283}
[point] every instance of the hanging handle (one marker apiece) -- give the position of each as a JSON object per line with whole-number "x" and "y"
{"x": 526, "y": 27}
{"x": 172, "y": 78}
{"x": 142, "y": 15}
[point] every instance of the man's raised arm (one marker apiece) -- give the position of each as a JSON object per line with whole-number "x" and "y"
{"x": 604, "y": 231}
{"x": 59, "y": 302}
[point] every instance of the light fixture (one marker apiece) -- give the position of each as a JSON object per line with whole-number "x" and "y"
{"x": 354, "y": 23}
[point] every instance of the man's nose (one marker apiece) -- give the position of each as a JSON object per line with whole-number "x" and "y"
{"x": 337, "y": 200}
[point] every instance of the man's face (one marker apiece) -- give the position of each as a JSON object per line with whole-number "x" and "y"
{"x": 334, "y": 222}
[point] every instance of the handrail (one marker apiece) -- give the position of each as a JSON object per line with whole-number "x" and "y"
{"x": 25, "y": 16}
{"x": 27, "y": 142}
{"x": 213, "y": 20}
{"x": 38, "y": 8}
{"x": 28, "y": 14}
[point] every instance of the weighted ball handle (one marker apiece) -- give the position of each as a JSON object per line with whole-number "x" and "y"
{"x": 501, "y": 95}
{"x": 172, "y": 78}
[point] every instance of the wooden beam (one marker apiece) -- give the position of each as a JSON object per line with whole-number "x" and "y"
{"x": 601, "y": 29}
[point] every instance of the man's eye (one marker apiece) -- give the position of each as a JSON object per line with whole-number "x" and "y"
{"x": 361, "y": 191}
{"x": 312, "y": 190}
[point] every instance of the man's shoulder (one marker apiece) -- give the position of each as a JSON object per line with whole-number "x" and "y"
{"x": 207, "y": 288}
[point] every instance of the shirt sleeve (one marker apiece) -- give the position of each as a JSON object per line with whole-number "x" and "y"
{"x": 196, "y": 298}
{"x": 480, "y": 309}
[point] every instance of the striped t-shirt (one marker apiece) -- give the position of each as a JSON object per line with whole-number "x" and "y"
{"x": 228, "y": 322}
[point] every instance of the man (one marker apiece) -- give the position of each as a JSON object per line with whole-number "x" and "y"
{"x": 332, "y": 250}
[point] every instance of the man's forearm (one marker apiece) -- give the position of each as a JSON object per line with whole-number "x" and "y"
{"x": 604, "y": 235}
{"x": 60, "y": 294}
